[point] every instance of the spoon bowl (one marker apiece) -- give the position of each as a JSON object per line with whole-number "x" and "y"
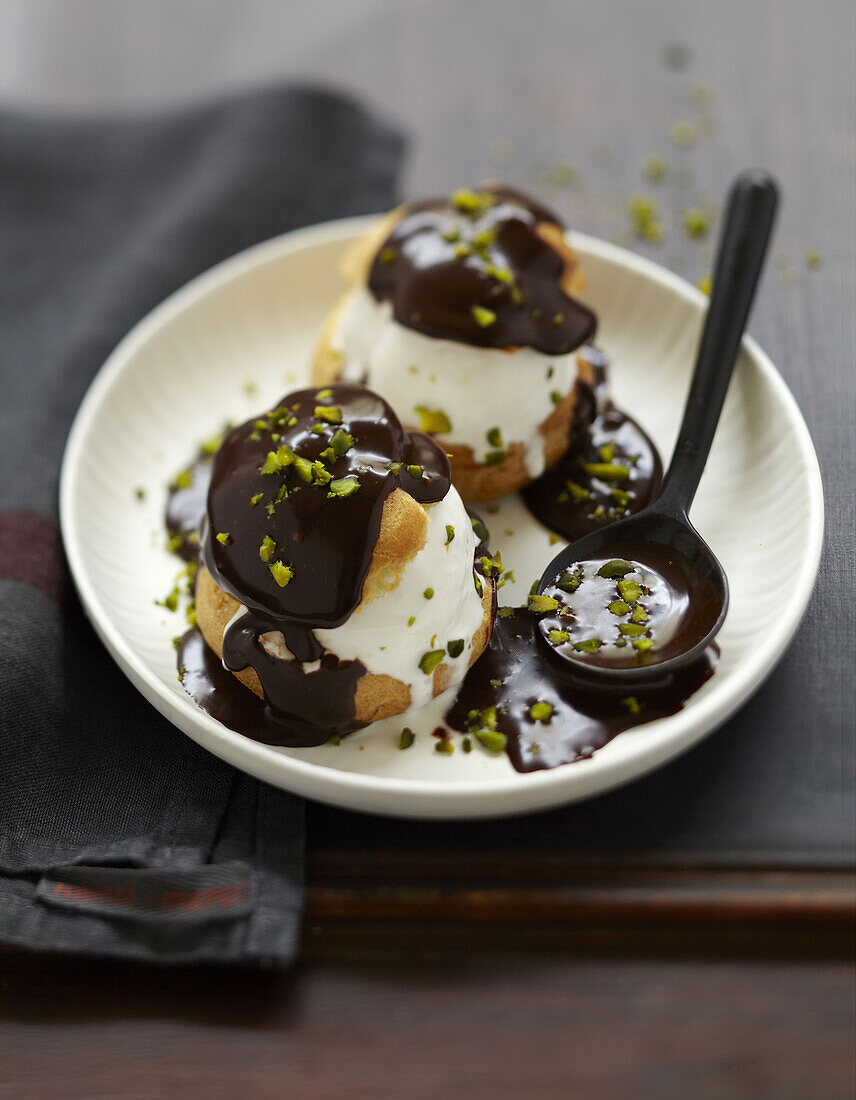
{"x": 628, "y": 642}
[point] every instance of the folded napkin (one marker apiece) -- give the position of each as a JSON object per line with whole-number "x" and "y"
{"x": 118, "y": 834}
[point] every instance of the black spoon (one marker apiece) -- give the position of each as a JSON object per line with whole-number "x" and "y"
{"x": 662, "y": 533}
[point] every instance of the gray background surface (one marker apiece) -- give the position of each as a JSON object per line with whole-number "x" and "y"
{"x": 519, "y": 89}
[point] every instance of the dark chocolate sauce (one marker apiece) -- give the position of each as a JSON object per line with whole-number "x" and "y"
{"x": 513, "y": 675}
{"x": 186, "y": 507}
{"x": 638, "y": 606}
{"x": 573, "y": 498}
{"x": 219, "y": 694}
{"x": 472, "y": 268}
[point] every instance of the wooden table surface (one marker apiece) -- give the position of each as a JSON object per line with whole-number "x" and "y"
{"x": 508, "y": 966}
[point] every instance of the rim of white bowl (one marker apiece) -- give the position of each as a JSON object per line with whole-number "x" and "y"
{"x": 512, "y": 794}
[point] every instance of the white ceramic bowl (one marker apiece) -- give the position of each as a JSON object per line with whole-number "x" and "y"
{"x": 235, "y": 339}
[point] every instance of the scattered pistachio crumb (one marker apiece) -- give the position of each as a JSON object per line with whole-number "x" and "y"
{"x": 467, "y": 745}
{"x": 480, "y": 531}
{"x": 541, "y": 604}
{"x": 428, "y": 593}
{"x": 483, "y": 316}
{"x": 812, "y": 258}
{"x": 455, "y": 648}
{"x": 541, "y": 711}
{"x": 387, "y": 255}
{"x": 445, "y": 746}
{"x": 450, "y": 533}
{"x": 618, "y": 567}
{"x": 642, "y": 644}
{"x": 607, "y": 471}
{"x": 224, "y": 538}
{"x": 491, "y": 739}
{"x": 558, "y": 637}
{"x": 429, "y": 661}
{"x": 696, "y": 223}
{"x": 505, "y": 612}
{"x": 590, "y": 645}
{"x": 494, "y": 458}
{"x": 281, "y": 573}
{"x": 618, "y": 607}
{"x": 415, "y": 472}
{"x": 683, "y": 133}
{"x": 407, "y": 738}
{"x": 632, "y": 704}
{"x": 343, "y": 487}
{"x": 267, "y": 549}
{"x": 654, "y": 167}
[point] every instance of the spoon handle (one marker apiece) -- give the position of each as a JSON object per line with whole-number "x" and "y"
{"x": 746, "y": 232}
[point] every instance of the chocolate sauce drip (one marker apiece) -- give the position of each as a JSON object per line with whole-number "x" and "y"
{"x": 516, "y": 672}
{"x": 475, "y": 270}
{"x": 608, "y": 437}
{"x": 226, "y": 699}
{"x": 185, "y": 507}
{"x": 651, "y": 606}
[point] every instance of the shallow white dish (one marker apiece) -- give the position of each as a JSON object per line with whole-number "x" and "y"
{"x": 235, "y": 339}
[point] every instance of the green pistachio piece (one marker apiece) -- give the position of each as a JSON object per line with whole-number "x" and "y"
{"x": 332, "y": 414}
{"x": 491, "y": 739}
{"x": 556, "y": 397}
{"x": 428, "y": 593}
{"x": 478, "y": 583}
{"x": 184, "y": 480}
{"x": 267, "y": 549}
{"x": 415, "y": 472}
{"x": 407, "y": 738}
{"x": 320, "y": 475}
{"x": 577, "y": 491}
{"x": 324, "y": 395}
{"x": 541, "y": 604}
{"x": 429, "y": 661}
{"x": 495, "y": 458}
{"x": 394, "y": 467}
{"x": 387, "y": 255}
{"x": 225, "y": 538}
{"x": 281, "y": 573}
{"x": 618, "y": 607}
{"x": 456, "y": 647}
{"x": 590, "y": 645}
{"x": 640, "y": 615}
{"x": 494, "y": 437}
{"x": 467, "y": 745}
{"x": 433, "y": 421}
{"x": 558, "y": 637}
{"x": 483, "y": 316}
{"x": 632, "y": 704}
{"x": 630, "y": 590}
{"x": 480, "y": 531}
{"x": 450, "y": 533}
{"x": 343, "y": 487}
{"x": 256, "y": 498}
{"x": 484, "y": 238}
{"x": 469, "y": 202}
{"x": 558, "y": 318}
{"x": 642, "y": 644}
{"x": 304, "y": 468}
{"x": 211, "y": 446}
{"x": 570, "y": 582}
{"x": 616, "y": 568}
{"x": 607, "y": 471}
{"x": 541, "y": 711}
{"x": 621, "y": 497}
{"x": 505, "y": 612}
{"x": 445, "y": 746}
{"x": 632, "y": 629}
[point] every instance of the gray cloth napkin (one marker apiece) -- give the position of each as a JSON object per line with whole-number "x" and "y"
{"x": 118, "y": 834}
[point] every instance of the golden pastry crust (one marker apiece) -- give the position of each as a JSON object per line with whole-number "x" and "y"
{"x": 402, "y": 535}
{"x": 473, "y": 480}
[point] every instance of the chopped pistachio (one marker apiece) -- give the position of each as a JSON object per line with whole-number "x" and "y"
{"x": 445, "y": 746}
{"x": 632, "y": 704}
{"x": 696, "y": 223}
{"x": 812, "y": 259}
{"x": 483, "y": 316}
{"x": 335, "y": 739}
{"x": 632, "y": 629}
{"x": 705, "y": 284}
{"x": 415, "y": 472}
{"x": 470, "y": 202}
{"x": 606, "y": 452}
{"x": 462, "y": 250}
{"x": 607, "y": 471}
{"x": 387, "y": 255}
{"x": 184, "y": 480}
{"x": 343, "y": 487}
{"x": 411, "y": 620}
{"x": 224, "y": 538}
{"x": 621, "y": 497}
{"x": 558, "y": 319}
{"x": 320, "y": 474}
{"x": 428, "y": 593}
{"x": 590, "y": 645}
{"x": 407, "y": 738}
{"x": 494, "y": 458}
{"x": 450, "y": 533}
{"x": 140, "y": 493}
{"x": 618, "y": 567}
{"x": 477, "y": 581}
{"x": 190, "y": 613}
{"x": 267, "y": 549}
{"x": 645, "y": 216}
{"x": 340, "y": 443}
{"x": 332, "y": 414}
{"x": 558, "y": 637}
{"x": 281, "y": 573}
{"x": 256, "y": 498}
{"x": 494, "y": 437}
{"x": 642, "y": 644}
{"x": 269, "y": 508}
{"x": 541, "y": 711}
{"x": 682, "y": 133}
{"x": 394, "y": 467}
{"x": 452, "y": 235}
{"x": 304, "y": 468}
{"x": 433, "y": 421}
{"x": 578, "y": 492}
{"x": 491, "y": 739}
{"x": 505, "y": 612}
{"x": 456, "y": 647}
{"x": 630, "y": 590}
{"x": 541, "y": 604}
{"x": 618, "y": 607}
{"x": 599, "y": 512}
{"x": 654, "y": 167}
{"x": 480, "y": 531}
{"x": 429, "y": 661}
{"x": 467, "y": 745}
{"x": 640, "y": 615}
{"x": 323, "y": 395}
{"x": 570, "y": 582}
{"x": 501, "y": 274}
{"x": 170, "y": 601}
{"x": 555, "y": 397}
